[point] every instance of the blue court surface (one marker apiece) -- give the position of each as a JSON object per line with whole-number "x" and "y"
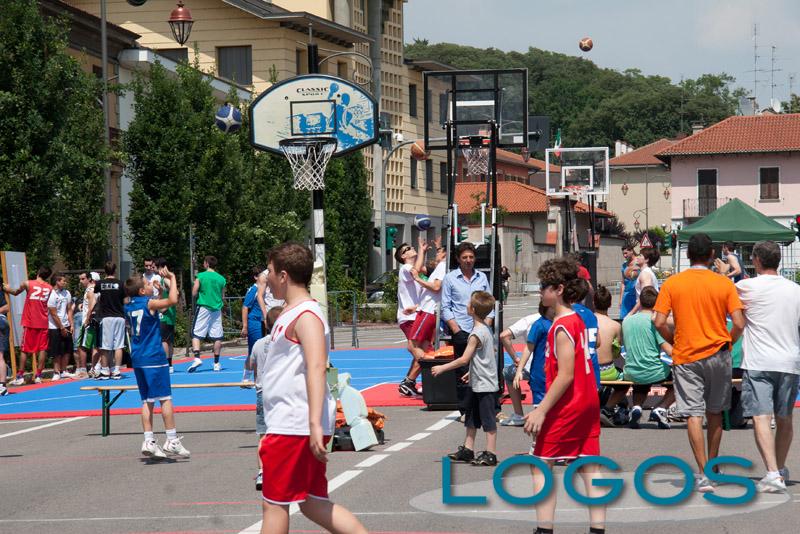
{"x": 367, "y": 367}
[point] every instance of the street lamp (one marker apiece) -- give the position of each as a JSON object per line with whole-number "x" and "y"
{"x": 180, "y": 22}
{"x": 397, "y": 137}
{"x": 636, "y": 214}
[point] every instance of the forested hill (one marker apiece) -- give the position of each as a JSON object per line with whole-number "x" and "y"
{"x": 595, "y": 106}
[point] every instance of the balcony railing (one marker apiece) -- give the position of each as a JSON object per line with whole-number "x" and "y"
{"x": 694, "y": 208}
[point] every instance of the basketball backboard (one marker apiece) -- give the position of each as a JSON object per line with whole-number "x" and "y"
{"x": 314, "y": 105}
{"x": 582, "y": 171}
{"x": 470, "y": 99}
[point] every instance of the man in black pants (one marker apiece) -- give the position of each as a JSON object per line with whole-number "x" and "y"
{"x": 457, "y": 288}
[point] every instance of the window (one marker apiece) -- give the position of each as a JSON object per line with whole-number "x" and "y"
{"x": 428, "y": 175}
{"x": 235, "y": 63}
{"x": 298, "y": 62}
{"x": 769, "y": 179}
{"x": 341, "y": 69}
{"x": 429, "y": 104}
{"x": 706, "y": 191}
{"x": 412, "y": 99}
{"x": 443, "y": 177}
{"x": 413, "y": 173}
{"x": 178, "y": 55}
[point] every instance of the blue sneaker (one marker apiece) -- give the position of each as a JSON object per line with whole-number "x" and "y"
{"x": 636, "y": 414}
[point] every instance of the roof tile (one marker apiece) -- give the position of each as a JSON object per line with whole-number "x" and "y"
{"x": 643, "y": 155}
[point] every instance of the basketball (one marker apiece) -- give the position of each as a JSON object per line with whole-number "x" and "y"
{"x": 228, "y": 118}
{"x": 586, "y": 44}
{"x": 422, "y": 222}
{"x": 418, "y": 151}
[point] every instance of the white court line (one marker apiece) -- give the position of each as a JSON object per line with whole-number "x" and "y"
{"x": 417, "y": 437}
{"x": 372, "y": 460}
{"x": 398, "y": 446}
{"x": 118, "y": 518}
{"x": 48, "y": 399}
{"x": 449, "y": 418}
{"x": 31, "y": 429}
{"x": 18, "y": 421}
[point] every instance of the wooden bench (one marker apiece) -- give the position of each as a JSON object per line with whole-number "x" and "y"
{"x": 107, "y": 401}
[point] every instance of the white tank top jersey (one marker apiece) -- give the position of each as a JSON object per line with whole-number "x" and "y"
{"x": 284, "y": 378}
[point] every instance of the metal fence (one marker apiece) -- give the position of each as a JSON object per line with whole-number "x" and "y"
{"x": 343, "y": 304}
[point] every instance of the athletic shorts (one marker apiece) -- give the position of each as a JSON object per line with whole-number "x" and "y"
{"x": 87, "y": 337}
{"x": 407, "y": 327}
{"x": 610, "y": 372}
{"x": 153, "y": 383}
{"x": 168, "y": 333}
{"x": 704, "y": 385}
{"x": 261, "y": 426}
{"x": 291, "y": 472}
{"x": 424, "y": 327}
{"x": 645, "y": 388}
{"x": 481, "y": 410}
{"x": 510, "y": 371}
{"x": 207, "y": 324}
{"x": 58, "y": 345}
{"x": 768, "y": 393}
{"x": 566, "y": 449}
{"x": 3, "y": 334}
{"x": 34, "y": 339}
{"x": 255, "y": 331}
{"x": 112, "y": 330}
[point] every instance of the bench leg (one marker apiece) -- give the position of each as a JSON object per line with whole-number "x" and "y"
{"x": 106, "y": 414}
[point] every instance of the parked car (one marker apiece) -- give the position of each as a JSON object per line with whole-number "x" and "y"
{"x": 375, "y": 288}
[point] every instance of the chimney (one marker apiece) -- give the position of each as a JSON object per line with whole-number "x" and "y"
{"x": 697, "y": 127}
{"x": 621, "y": 147}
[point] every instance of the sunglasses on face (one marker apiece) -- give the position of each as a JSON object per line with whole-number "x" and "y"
{"x": 404, "y": 250}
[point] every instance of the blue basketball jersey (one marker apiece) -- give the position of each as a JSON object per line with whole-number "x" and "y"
{"x": 592, "y": 327}
{"x": 146, "y": 349}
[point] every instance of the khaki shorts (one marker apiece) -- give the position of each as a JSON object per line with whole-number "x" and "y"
{"x": 703, "y": 386}
{"x": 768, "y": 393}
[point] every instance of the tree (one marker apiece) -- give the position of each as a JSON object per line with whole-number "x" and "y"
{"x": 52, "y": 153}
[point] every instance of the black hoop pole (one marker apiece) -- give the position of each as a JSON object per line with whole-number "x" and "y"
{"x": 317, "y": 196}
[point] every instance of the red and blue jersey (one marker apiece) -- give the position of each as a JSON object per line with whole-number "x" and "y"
{"x": 146, "y": 349}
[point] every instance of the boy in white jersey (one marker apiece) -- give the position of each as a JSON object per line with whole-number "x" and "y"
{"x": 59, "y": 327}
{"x": 299, "y": 410}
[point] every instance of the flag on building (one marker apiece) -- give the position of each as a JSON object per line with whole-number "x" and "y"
{"x": 557, "y": 146}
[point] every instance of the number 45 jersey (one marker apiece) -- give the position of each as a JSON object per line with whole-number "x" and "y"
{"x": 146, "y": 349}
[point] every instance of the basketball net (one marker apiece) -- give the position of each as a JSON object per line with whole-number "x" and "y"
{"x": 308, "y": 157}
{"x": 476, "y": 156}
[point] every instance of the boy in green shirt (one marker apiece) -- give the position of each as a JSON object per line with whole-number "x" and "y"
{"x": 209, "y": 289}
{"x": 167, "y": 318}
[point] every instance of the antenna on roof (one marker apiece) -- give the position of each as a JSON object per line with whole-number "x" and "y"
{"x": 776, "y": 105}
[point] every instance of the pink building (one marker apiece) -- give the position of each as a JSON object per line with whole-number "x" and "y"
{"x": 755, "y": 159}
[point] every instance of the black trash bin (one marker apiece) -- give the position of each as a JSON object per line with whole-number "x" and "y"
{"x": 439, "y": 393}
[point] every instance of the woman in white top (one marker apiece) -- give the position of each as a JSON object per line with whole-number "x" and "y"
{"x": 647, "y": 258}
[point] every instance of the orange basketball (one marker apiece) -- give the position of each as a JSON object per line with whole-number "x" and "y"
{"x": 418, "y": 151}
{"x": 586, "y": 44}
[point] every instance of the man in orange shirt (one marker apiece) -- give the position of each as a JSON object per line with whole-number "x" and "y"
{"x": 700, "y": 301}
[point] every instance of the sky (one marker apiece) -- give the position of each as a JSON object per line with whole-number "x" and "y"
{"x": 673, "y": 38}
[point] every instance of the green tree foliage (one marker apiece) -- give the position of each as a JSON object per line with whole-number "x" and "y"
{"x": 52, "y": 153}
{"x": 595, "y": 106}
{"x": 186, "y": 172}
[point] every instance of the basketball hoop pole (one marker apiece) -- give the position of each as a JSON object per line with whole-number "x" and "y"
{"x": 317, "y": 196}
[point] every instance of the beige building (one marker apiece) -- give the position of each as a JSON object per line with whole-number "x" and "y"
{"x": 641, "y": 188}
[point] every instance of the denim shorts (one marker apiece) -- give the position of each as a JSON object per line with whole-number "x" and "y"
{"x": 768, "y": 393}
{"x": 261, "y": 426}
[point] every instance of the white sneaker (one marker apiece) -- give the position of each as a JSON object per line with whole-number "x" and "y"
{"x": 3, "y": 391}
{"x": 195, "y": 364}
{"x": 37, "y": 380}
{"x": 171, "y": 369}
{"x": 771, "y": 485}
{"x": 67, "y": 374}
{"x": 18, "y": 381}
{"x": 56, "y": 377}
{"x": 116, "y": 375}
{"x": 514, "y": 420}
{"x": 151, "y": 449}
{"x": 174, "y": 446}
{"x": 104, "y": 374}
{"x": 702, "y": 484}
{"x": 218, "y": 366}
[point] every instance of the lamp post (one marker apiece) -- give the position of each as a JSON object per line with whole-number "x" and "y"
{"x": 636, "y": 215}
{"x": 385, "y": 163}
{"x": 180, "y": 22}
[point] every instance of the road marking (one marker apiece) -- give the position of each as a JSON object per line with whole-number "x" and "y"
{"x": 398, "y": 446}
{"x": 417, "y": 437}
{"x": 123, "y": 518}
{"x": 31, "y": 429}
{"x": 50, "y": 398}
{"x": 18, "y": 421}
{"x": 372, "y": 460}
{"x": 342, "y": 478}
{"x": 449, "y": 418}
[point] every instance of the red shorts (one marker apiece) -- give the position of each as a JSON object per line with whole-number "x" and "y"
{"x": 567, "y": 450}
{"x": 406, "y": 327}
{"x": 34, "y": 339}
{"x": 424, "y": 327}
{"x": 291, "y": 472}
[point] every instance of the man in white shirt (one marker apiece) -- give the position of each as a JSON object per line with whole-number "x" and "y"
{"x": 771, "y": 360}
{"x": 59, "y": 327}
{"x": 152, "y": 276}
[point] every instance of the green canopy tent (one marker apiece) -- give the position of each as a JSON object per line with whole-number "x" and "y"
{"x": 738, "y": 222}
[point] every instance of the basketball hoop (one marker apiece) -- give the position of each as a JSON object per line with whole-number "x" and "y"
{"x": 308, "y": 157}
{"x": 475, "y": 149}
{"x": 574, "y": 190}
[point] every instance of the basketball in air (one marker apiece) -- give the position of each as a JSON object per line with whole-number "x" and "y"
{"x": 418, "y": 151}
{"x": 228, "y": 118}
{"x": 422, "y": 222}
{"x": 586, "y": 44}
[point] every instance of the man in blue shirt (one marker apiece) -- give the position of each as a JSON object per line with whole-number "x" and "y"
{"x": 627, "y": 299}
{"x": 252, "y": 314}
{"x": 457, "y": 288}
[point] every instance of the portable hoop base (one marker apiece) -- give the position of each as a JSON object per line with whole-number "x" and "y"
{"x": 309, "y": 157}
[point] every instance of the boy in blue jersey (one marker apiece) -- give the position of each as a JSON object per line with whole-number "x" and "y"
{"x": 252, "y": 313}
{"x": 535, "y": 351}
{"x": 592, "y": 329}
{"x": 149, "y": 365}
